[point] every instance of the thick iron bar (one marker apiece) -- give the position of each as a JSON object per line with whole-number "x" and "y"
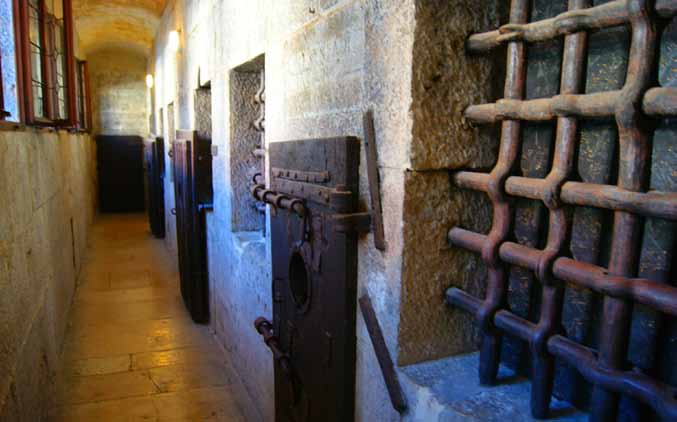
{"x": 628, "y": 200}
{"x": 660, "y": 102}
{"x": 609, "y": 14}
{"x": 542, "y": 369}
{"x": 634, "y": 145}
{"x": 649, "y": 204}
{"x": 278, "y": 200}
{"x": 660, "y": 397}
{"x": 490, "y": 349}
{"x": 657, "y": 295}
{"x": 657, "y": 102}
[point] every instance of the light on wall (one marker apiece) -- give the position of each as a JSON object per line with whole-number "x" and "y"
{"x": 149, "y": 80}
{"x": 174, "y": 42}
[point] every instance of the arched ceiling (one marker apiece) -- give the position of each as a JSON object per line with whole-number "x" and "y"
{"x": 129, "y": 24}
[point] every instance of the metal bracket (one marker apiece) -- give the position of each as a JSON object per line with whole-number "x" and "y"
{"x": 301, "y": 176}
{"x": 278, "y": 200}
{"x": 374, "y": 180}
{"x": 350, "y": 223}
{"x": 265, "y": 329}
{"x": 339, "y": 198}
{"x": 384, "y": 360}
{"x": 205, "y": 207}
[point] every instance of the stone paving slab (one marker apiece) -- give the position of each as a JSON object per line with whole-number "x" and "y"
{"x": 132, "y": 353}
{"x": 448, "y": 390}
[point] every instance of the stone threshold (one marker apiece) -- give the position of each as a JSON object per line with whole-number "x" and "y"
{"x": 448, "y": 390}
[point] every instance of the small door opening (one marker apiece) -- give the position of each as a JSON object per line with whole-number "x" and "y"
{"x": 299, "y": 283}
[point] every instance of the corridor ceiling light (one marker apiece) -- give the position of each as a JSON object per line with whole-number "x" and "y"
{"x": 174, "y": 42}
{"x": 149, "y": 81}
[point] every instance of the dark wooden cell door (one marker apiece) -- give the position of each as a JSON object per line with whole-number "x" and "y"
{"x": 314, "y": 254}
{"x": 155, "y": 198}
{"x": 193, "y": 196}
{"x": 120, "y": 172}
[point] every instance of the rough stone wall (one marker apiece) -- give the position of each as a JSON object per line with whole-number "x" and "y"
{"x": 48, "y": 186}
{"x": 203, "y": 112}
{"x": 244, "y": 139}
{"x": 387, "y": 58}
{"x": 118, "y": 84}
{"x": 445, "y": 81}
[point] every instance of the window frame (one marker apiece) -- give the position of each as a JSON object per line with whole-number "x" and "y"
{"x": 18, "y": 59}
{"x": 3, "y": 113}
{"x": 84, "y": 117}
{"x": 50, "y": 97}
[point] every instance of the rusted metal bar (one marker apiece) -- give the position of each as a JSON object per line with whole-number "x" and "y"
{"x": 656, "y": 103}
{"x": 666, "y": 8}
{"x": 613, "y": 13}
{"x": 649, "y": 204}
{"x": 659, "y": 396}
{"x": 504, "y": 320}
{"x": 265, "y": 328}
{"x": 471, "y": 180}
{"x": 597, "y": 105}
{"x": 552, "y": 297}
{"x": 374, "y": 180}
{"x": 629, "y": 201}
{"x": 509, "y": 148}
{"x": 383, "y": 355}
{"x": 660, "y": 102}
{"x": 278, "y": 200}
{"x": 657, "y": 295}
{"x": 634, "y": 153}
{"x": 609, "y": 14}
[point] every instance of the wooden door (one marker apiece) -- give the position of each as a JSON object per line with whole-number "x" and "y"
{"x": 120, "y": 172}
{"x": 193, "y": 187}
{"x": 154, "y": 167}
{"x": 314, "y": 280}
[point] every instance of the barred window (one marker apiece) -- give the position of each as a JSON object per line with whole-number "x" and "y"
{"x": 51, "y": 67}
{"x": 37, "y": 66}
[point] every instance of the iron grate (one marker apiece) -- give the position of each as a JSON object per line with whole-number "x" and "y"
{"x": 633, "y": 107}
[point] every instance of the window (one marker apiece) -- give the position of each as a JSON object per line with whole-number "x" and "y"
{"x": 47, "y": 47}
{"x": 37, "y": 65}
{"x": 9, "y": 100}
{"x": 51, "y": 63}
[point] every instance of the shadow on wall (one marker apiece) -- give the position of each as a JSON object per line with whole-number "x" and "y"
{"x": 118, "y": 92}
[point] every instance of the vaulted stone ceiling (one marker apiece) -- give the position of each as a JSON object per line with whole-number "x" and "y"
{"x": 117, "y": 23}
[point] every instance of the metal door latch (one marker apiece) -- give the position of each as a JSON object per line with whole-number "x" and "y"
{"x": 265, "y": 328}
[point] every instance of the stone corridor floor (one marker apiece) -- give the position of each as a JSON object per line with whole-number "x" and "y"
{"x": 131, "y": 351}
